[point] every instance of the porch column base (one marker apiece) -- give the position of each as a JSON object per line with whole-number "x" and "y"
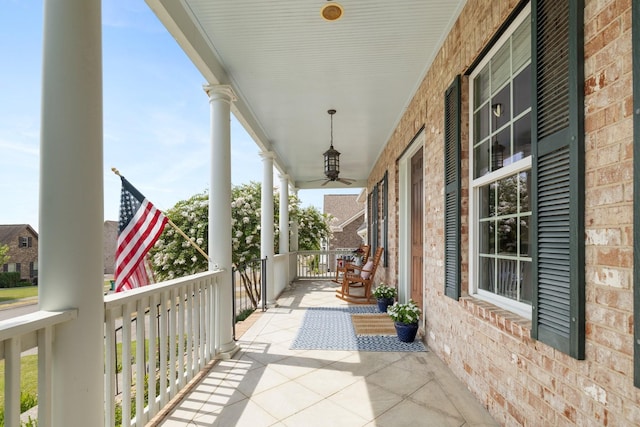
{"x": 227, "y": 354}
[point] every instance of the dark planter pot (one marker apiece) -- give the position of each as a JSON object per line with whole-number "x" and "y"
{"x": 383, "y": 303}
{"x": 406, "y": 331}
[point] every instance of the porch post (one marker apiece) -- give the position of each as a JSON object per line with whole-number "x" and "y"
{"x": 294, "y": 229}
{"x": 71, "y": 211}
{"x": 284, "y": 214}
{"x": 220, "y": 99}
{"x": 267, "y": 221}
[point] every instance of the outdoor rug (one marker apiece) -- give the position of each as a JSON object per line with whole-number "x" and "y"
{"x": 331, "y": 328}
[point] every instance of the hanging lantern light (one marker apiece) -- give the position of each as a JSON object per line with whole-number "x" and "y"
{"x": 332, "y": 156}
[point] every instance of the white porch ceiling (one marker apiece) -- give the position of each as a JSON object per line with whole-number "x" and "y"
{"x": 288, "y": 66}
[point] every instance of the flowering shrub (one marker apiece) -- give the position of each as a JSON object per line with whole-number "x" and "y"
{"x": 173, "y": 256}
{"x": 384, "y": 291}
{"x": 404, "y": 313}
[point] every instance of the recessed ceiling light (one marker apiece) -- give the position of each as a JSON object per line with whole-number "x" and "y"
{"x": 331, "y": 11}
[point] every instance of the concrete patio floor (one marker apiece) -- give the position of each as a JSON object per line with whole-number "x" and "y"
{"x": 267, "y": 384}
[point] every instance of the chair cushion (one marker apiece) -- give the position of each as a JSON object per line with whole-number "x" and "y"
{"x": 366, "y": 270}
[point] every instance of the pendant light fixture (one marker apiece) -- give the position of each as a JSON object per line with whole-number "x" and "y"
{"x": 331, "y": 156}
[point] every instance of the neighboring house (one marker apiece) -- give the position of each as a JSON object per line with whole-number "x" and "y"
{"x": 347, "y": 214}
{"x": 109, "y": 241}
{"x": 23, "y": 250}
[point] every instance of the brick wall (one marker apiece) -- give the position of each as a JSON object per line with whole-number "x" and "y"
{"x": 520, "y": 380}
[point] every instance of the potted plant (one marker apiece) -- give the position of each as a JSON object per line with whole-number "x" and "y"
{"x": 385, "y": 295}
{"x": 405, "y": 317}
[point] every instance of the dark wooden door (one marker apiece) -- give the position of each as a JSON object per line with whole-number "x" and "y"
{"x": 416, "y": 227}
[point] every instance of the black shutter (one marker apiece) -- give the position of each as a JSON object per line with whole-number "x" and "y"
{"x": 18, "y": 267}
{"x": 635, "y": 17}
{"x": 385, "y": 220}
{"x": 452, "y": 189}
{"x": 374, "y": 219}
{"x": 558, "y": 175}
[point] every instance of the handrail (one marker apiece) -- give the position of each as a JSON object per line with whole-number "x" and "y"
{"x": 177, "y": 320}
{"x": 22, "y": 333}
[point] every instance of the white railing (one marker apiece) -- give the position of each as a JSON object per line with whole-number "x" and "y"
{"x": 23, "y": 333}
{"x": 175, "y": 334}
{"x": 319, "y": 264}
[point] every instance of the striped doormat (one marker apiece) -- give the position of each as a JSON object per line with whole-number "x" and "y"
{"x": 373, "y": 324}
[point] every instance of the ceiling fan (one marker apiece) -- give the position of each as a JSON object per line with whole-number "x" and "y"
{"x": 332, "y": 161}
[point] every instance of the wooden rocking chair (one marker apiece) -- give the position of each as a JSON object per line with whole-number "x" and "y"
{"x": 360, "y": 276}
{"x": 348, "y": 267}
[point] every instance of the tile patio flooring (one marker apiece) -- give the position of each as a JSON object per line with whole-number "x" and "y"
{"x": 267, "y": 384}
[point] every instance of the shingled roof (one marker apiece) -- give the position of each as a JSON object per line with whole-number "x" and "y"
{"x": 12, "y": 231}
{"x": 343, "y": 207}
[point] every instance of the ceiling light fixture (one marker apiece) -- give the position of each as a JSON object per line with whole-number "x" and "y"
{"x": 331, "y": 11}
{"x": 332, "y": 156}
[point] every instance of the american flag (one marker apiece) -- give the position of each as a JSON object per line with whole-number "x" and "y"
{"x": 140, "y": 226}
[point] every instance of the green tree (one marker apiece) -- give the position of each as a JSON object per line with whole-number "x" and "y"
{"x": 4, "y": 254}
{"x": 173, "y": 256}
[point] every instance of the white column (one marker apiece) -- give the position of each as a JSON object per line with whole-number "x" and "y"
{"x": 220, "y": 98}
{"x": 71, "y": 211}
{"x": 284, "y": 214}
{"x": 294, "y": 229}
{"x": 266, "y": 223}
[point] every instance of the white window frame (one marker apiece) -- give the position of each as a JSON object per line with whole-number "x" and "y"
{"x": 520, "y": 308}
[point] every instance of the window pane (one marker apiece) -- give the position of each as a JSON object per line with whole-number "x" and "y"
{"x": 508, "y": 236}
{"x": 485, "y": 274}
{"x": 481, "y": 86}
{"x": 508, "y": 279}
{"x": 481, "y": 159}
{"x": 488, "y": 200}
{"x": 522, "y": 91}
{"x": 501, "y": 67}
{"x": 501, "y": 149}
{"x": 486, "y": 240}
{"x": 501, "y": 108}
{"x": 508, "y": 196}
{"x": 522, "y": 137}
{"x": 481, "y": 123}
{"x": 526, "y": 292}
{"x": 524, "y": 236}
{"x": 525, "y": 186}
{"x": 521, "y": 41}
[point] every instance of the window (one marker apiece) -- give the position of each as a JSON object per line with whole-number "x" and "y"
{"x": 25, "y": 242}
{"x": 500, "y": 119}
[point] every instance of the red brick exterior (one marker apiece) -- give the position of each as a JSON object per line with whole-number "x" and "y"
{"x": 520, "y": 380}
{"x": 24, "y": 255}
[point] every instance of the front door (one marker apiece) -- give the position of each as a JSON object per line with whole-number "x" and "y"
{"x": 416, "y": 228}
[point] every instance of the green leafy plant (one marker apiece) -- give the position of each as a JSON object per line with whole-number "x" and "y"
{"x": 407, "y": 313}
{"x": 384, "y": 291}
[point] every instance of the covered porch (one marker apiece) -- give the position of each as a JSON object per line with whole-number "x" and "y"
{"x": 267, "y": 383}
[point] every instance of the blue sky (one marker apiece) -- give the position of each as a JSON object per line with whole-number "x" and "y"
{"x": 156, "y": 115}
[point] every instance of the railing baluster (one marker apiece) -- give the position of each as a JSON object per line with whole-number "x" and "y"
{"x": 175, "y": 304}
{"x": 153, "y": 353}
{"x": 184, "y": 297}
{"x": 164, "y": 343}
{"x": 187, "y": 371}
{"x": 12, "y": 381}
{"x": 45, "y": 339}
{"x": 140, "y": 361}
{"x": 126, "y": 365}
{"x": 110, "y": 368}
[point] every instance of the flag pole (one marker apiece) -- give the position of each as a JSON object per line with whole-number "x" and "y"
{"x": 171, "y": 223}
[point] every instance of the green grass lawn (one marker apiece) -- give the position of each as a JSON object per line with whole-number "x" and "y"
{"x": 7, "y": 294}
